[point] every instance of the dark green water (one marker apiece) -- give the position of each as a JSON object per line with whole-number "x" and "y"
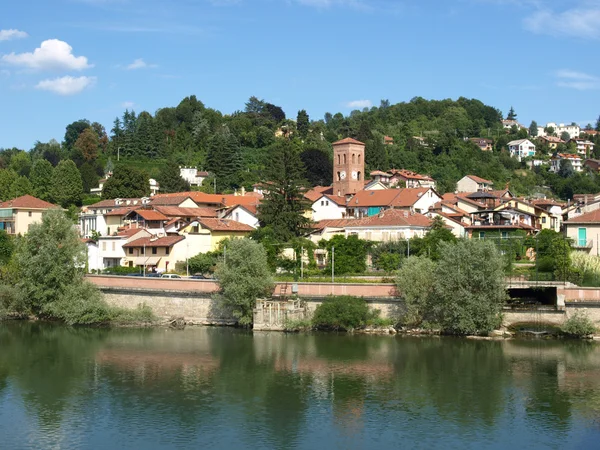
{"x": 222, "y": 388}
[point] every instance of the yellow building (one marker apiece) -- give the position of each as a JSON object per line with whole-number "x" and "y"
{"x": 17, "y": 215}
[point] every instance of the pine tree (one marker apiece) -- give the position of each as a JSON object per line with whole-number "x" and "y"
{"x": 533, "y": 129}
{"x": 66, "y": 187}
{"x": 512, "y": 115}
{"x": 41, "y": 178}
{"x": 302, "y": 123}
{"x": 224, "y": 159}
{"x": 126, "y": 182}
{"x": 170, "y": 179}
{"x": 282, "y": 210}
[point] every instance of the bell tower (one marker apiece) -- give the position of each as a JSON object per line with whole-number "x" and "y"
{"x": 348, "y": 167}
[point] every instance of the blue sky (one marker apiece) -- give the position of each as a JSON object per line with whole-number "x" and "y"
{"x": 63, "y": 60}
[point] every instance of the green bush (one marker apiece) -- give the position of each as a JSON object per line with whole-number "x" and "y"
{"x": 578, "y": 325}
{"x": 415, "y": 283}
{"x": 298, "y": 325}
{"x": 341, "y": 313}
{"x": 121, "y": 270}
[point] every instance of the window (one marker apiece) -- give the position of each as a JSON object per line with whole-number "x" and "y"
{"x": 104, "y": 246}
{"x": 237, "y": 216}
{"x": 353, "y": 158}
{"x": 339, "y": 158}
{"x": 543, "y": 220}
{"x": 154, "y": 250}
{"x": 143, "y": 251}
{"x": 344, "y": 158}
{"x": 322, "y": 203}
{"x": 482, "y": 235}
{"x": 326, "y": 202}
{"x": 339, "y": 177}
{"x": 359, "y": 158}
{"x": 30, "y": 213}
{"x": 368, "y": 235}
{"x": 504, "y": 235}
{"x": 167, "y": 250}
{"x": 130, "y": 250}
{"x": 358, "y": 175}
{"x": 113, "y": 247}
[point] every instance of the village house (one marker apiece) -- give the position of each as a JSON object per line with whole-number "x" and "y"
{"x": 92, "y": 217}
{"x": 573, "y": 130}
{"x": 328, "y": 206}
{"x": 410, "y": 179}
{"x": 552, "y": 220}
{"x": 192, "y": 175}
{"x": 521, "y": 148}
{"x": 370, "y": 203}
{"x": 107, "y": 251}
{"x": 18, "y": 214}
{"x": 557, "y": 159}
{"x": 584, "y": 232}
{"x": 592, "y": 164}
{"x": 246, "y": 214}
{"x": 584, "y": 147}
{"x": 387, "y": 140}
{"x": 473, "y": 183}
{"x": 486, "y": 145}
{"x": 508, "y": 124}
{"x": 382, "y": 177}
{"x": 551, "y": 141}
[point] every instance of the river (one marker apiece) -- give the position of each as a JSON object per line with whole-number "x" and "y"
{"x": 223, "y": 388}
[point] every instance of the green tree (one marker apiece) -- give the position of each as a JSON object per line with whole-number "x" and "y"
{"x": 126, "y": 182}
{"x": 66, "y": 186}
{"x": 469, "y": 290}
{"x": 89, "y": 177}
{"x": 282, "y": 209}
{"x": 49, "y": 261}
{"x": 170, "y": 179}
{"x": 350, "y": 254}
{"x": 7, "y": 246}
{"x": 21, "y": 186}
{"x": 244, "y": 276}
{"x": 303, "y": 123}
{"x": 341, "y": 313}
{"x": 7, "y": 179}
{"x": 512, "y": 115}
{"x": 431, "y": 241}
{"x": 415, "y": 283}
{"x": 566, "y": 169}
{"x": 560, "y": 253}
{"x": 224, "y": 159}
{"x": 73, "y": 131}
{"x": 565, "y": 136}
{"x": 533, "y": 129}
{"x": 41, "y": 178}
{"x": 21, "y": 163}
{"x": 87, "y": 143}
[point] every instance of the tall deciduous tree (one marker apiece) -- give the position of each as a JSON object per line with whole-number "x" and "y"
{"x": 41, "y": 178}
{"x": 87, "y": 144}
{"x": 21, "y": 186}
{"x": 302, "y": 123}
{"x": 126, "y": 182}
{"x": 66, "y": 187}
{"x": 89, "y": 177}
{"x": 170, "y": 179}
{"x": 7, "y": 179}
{"x": 73, "y": 131}
{"x": 282, "y": 210}
{"x": 243, "y": 276}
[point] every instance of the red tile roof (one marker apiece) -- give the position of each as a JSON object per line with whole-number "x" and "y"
{"x": 393, "y": 218}
{"x": 149, "y": 214}
{"x": 128, "y": 232}
{"x": 201, "y": 198}
{"x": 479, "y": 179}
{"x": 111, "y": 203}
{"x": 591, "y": 217}
{"x": 410, "y": 175}
{"x": 332, "y": 223}
{"x": 397, "y": 198}
{"x": 27, "y": 201}
{"x": 177, "y": 211}
{"x": 175, "y": 200}
{"x": 121, "y": 211}
{"x": 224, "y": 225}
{"x": 317, "y": 192}
{"x": 348, "y": 141}
{"x": 167, "y": 241}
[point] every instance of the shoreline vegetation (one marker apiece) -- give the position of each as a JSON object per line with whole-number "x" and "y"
{"x": 459, "y": 290}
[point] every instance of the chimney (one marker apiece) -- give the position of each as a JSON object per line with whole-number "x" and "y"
{"x": 243, "y": 191}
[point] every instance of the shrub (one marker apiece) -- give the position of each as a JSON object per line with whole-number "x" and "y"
{"x": 415, "y": 282}
{"x": 578, "y": 325}
{"x": 121, "y": 270}
{"x": 297, "y": 325}
{"x": 341, "y": 313}
{"x": 350, "y": 254}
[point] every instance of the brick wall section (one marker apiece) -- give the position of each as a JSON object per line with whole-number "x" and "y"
{"x": 207, "y": 286}
{"x": 579, "y": 294}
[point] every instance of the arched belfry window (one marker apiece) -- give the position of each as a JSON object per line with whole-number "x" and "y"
{"x": 353, "y": 158}
{"x": 344, "y": 158}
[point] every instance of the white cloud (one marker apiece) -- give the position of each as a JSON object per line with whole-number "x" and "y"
{"x": 127, "y": 105}
{"x": 7, "y": 35}
{"x": 52, "y": 54}
{"x": 577, "y": 80}
{"x": 140, "y": 64}
{"x": 576, "y": 22}
{"x": 67, "y": 85}
{"x": 359, "y": 104}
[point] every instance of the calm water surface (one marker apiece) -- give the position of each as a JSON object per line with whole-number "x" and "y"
{"x": 223, "y": 388}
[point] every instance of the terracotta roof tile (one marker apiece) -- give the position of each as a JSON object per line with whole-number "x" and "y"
{"x": 591, "y": 217}
{"x": 177, "y": 211}
{"x": 392, "y": 218}
{"x": 167, "y": 241}
{"x": 348, "y": 140}
{"x": 149, "y": 214}
{"x": 224, "y": 225}
{"x": 479, "y": 179}
{"x": 27, "y": 201}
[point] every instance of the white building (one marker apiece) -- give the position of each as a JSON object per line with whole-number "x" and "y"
{"x": 192, "y": 175}
{"x": 472, "y": 183}
{"x": 556, "y": 161}
{"x": 521, "y": 148}
{"x": 329, "y": 207}
{"x": 246, "y": 214}
{"x": 574, "y": 130}
{"x": 584, "y": 147}
{"x": 108, "y": 250}
{"x": 92, "y": 217}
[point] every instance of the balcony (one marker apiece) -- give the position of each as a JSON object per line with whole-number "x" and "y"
{"x": 582, "y": 244}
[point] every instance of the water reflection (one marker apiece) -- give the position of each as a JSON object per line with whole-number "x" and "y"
{"x": 157, "y": 388}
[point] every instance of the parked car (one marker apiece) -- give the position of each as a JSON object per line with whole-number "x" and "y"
{"x": 137, "y": 274}
{"x": 170, "y": 275}
{"x": 198, "y": 277}
{"x": 153, "y": 275}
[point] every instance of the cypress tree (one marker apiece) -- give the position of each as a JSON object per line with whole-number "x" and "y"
{"x": 41, "y": 178}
